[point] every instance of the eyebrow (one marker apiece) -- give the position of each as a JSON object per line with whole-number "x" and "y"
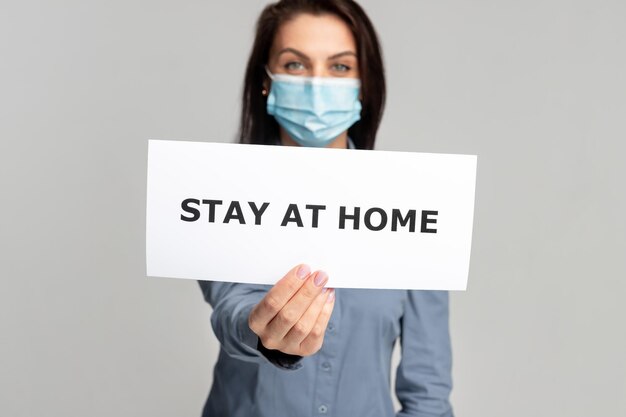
{"x": 303, "y": 56}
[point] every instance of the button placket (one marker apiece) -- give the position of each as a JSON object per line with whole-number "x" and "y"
{"x": 325, "y": 390}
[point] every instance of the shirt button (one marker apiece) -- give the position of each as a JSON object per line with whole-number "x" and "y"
{"x": 331, "y": 326}
{"x": 326, "y": 366}
{"x": 323, "y": 409}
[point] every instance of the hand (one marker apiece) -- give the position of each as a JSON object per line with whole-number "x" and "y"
{"x": 293, "y": 315}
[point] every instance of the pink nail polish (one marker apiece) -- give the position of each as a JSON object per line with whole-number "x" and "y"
{"x": 320, "y": 278}
{"x": 331, "y": 296}
{"x": 303, "y": 271}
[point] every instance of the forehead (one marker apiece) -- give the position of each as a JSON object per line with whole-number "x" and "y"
{"x": 314, "y": 35}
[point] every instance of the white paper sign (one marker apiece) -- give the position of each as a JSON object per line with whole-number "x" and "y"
{"x": 249, "y": 213}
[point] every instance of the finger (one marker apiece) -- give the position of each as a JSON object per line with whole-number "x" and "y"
{"x": 313, "y": 342}
{"x": 303, "y": 327}
{"x": 291, "y": 313}
{"x": 278, "y": 296}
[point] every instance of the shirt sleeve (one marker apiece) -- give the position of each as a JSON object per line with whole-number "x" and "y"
{"x": 232, "y": 304}
{"x": 424, "y": 375}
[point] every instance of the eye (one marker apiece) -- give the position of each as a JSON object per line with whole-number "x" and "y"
{"x": 341, "y": 68}
{"x": 294, "y": 66}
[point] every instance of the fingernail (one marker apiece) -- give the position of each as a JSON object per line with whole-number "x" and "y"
{"x": 331, "y": 296}
{"x": 303, "y": 271}
{"x": 320, "y": 278}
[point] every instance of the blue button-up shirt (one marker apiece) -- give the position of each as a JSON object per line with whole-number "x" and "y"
{"x": 350, "y": 375}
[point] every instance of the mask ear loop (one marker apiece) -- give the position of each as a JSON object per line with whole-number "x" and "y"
{"x": 265, "y": 91}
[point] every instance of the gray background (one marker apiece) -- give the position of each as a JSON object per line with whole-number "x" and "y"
{"x": 536, "y": 88}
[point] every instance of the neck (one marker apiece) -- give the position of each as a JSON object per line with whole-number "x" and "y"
{"x": 341, "y": 142}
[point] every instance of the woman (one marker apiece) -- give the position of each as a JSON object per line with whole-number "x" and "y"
{"x": 315, "y": 78}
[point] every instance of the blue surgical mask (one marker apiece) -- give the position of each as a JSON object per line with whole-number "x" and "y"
{"x": 314, "y": 110}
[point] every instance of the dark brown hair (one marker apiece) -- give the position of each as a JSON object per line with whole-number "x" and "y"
{"x": 256, "y": 126}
